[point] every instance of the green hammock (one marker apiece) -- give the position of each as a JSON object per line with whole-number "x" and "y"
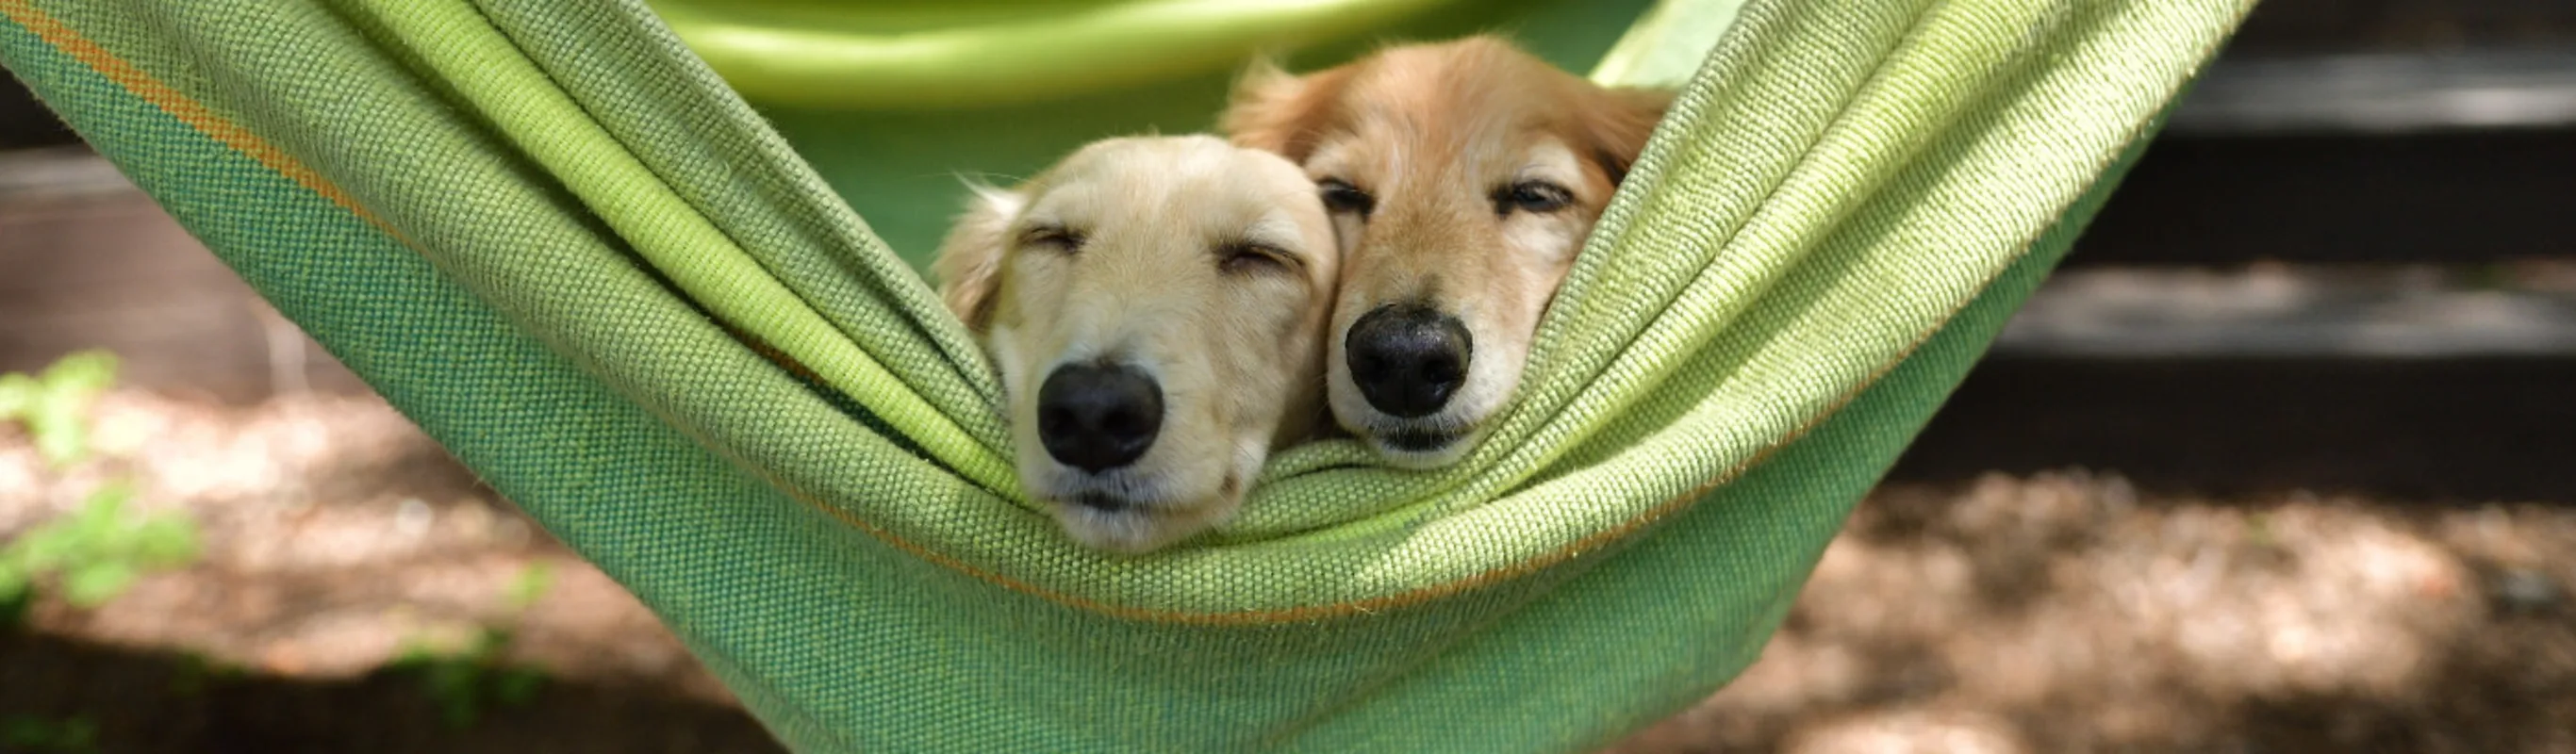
{"x": 553, "y": 236}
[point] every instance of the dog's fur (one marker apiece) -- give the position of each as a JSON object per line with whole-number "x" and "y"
{"x": 1440, "y": 137}
{"x": 1206, "y": 266}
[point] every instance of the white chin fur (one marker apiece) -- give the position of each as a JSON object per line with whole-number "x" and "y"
{"x": 1406, "y": 458}
{"x": 1158, "y": 522}
{"x": 1130, "y": 531}
{"x": 1378, "y": 431}
{"x": 1139, "y": 529}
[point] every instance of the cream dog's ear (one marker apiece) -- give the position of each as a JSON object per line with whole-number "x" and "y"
{"x": 969, "y": 265}
{"x": 1276, "y": 111}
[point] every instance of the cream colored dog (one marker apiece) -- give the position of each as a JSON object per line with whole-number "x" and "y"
{"x": 1462, "y": 178}
{"x": 1156, "y": 306}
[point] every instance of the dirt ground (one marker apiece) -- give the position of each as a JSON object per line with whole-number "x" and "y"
{"x": 2320, "y": 562}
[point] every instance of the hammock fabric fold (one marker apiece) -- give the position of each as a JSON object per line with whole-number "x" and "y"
{"x": 552, "y": 236}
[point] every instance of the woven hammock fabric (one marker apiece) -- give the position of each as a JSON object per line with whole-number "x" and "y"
{"x": 551, "y": 236}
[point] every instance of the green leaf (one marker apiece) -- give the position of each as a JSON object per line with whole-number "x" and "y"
{"x": 530, "y": 585}
{"x": 103, "y": 512}
{"x": 55, "y": 406}
{"x": 192, "y": 674}
{"x": 23, "y": 731}
{"x": 488, "y": 645}
{"x": 518, "y": 686}
{"x": 86, "y": 373}
{"x": 97, "y": 583}
{"x": 166, "y": 541}
{"x": 61, "y": 443}
{"x": 17, "y": 395}
{"x": 453, "y": 686}
{"x": 43, "y": 549}
{"x": 78, "y": 734}
{"x": 411, "y": 657}
{"x": 12, "y": 584}
{"x": 97, "y": 551}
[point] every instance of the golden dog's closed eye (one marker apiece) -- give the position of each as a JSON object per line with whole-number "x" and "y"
{"x": 1052, "y": 237}
{"x": 1246, "y": 257}
{"x": 1531, "y": 196}
{"x": 1340, "y": 196}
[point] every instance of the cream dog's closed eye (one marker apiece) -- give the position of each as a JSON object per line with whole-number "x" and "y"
{"x": 1156, "y": 307}
{"x": 1462, "y": 178}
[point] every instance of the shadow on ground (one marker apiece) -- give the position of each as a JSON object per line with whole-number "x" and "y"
{"x": 164, "y": 702}
{"x": 2193, "y": 556}
{"x": 2071, "y": 612}
{"x": 2468, "y": 430}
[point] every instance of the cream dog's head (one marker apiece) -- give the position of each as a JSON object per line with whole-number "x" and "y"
{"x": 1156, "y": 306}
{"x": 1462, "y": 178}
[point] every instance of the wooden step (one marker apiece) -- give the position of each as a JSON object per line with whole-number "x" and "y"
{"x": 2403, "y": 312}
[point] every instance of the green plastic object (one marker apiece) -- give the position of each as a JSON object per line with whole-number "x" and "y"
{"x": 927, "y": 55}
{"x": 644, "y": 309}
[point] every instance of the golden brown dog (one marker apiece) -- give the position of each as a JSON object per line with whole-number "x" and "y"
{"x": 1156, "y": 306}
{"x": 1462, "y": 178}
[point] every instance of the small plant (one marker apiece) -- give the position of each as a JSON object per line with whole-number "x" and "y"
{"x": 76, "y": 735}
{"x": 95, "y": 552}
{"x": 54, "y": 405}
{"x": 529, "y": 586}
{"x": 468, "y": 681}
{"x": 98, "y": 550}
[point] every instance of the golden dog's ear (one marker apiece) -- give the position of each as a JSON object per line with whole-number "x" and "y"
{"x": 1276, "y": 111}
{"x": 1618, "y": 124}
{"x": 969, "y": 265}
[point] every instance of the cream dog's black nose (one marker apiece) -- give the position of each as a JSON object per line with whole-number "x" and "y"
{"x": 1097, "y": 417}
{"x": 1407, "y": 359}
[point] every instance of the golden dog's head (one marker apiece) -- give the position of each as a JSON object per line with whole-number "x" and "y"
{"x": 1156, "y": 306}
{"x": 1462, "y": 178}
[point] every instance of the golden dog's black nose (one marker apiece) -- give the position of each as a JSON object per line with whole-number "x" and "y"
{"x": 1097, "y": 417}
{"x": 1407, "y": 359}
